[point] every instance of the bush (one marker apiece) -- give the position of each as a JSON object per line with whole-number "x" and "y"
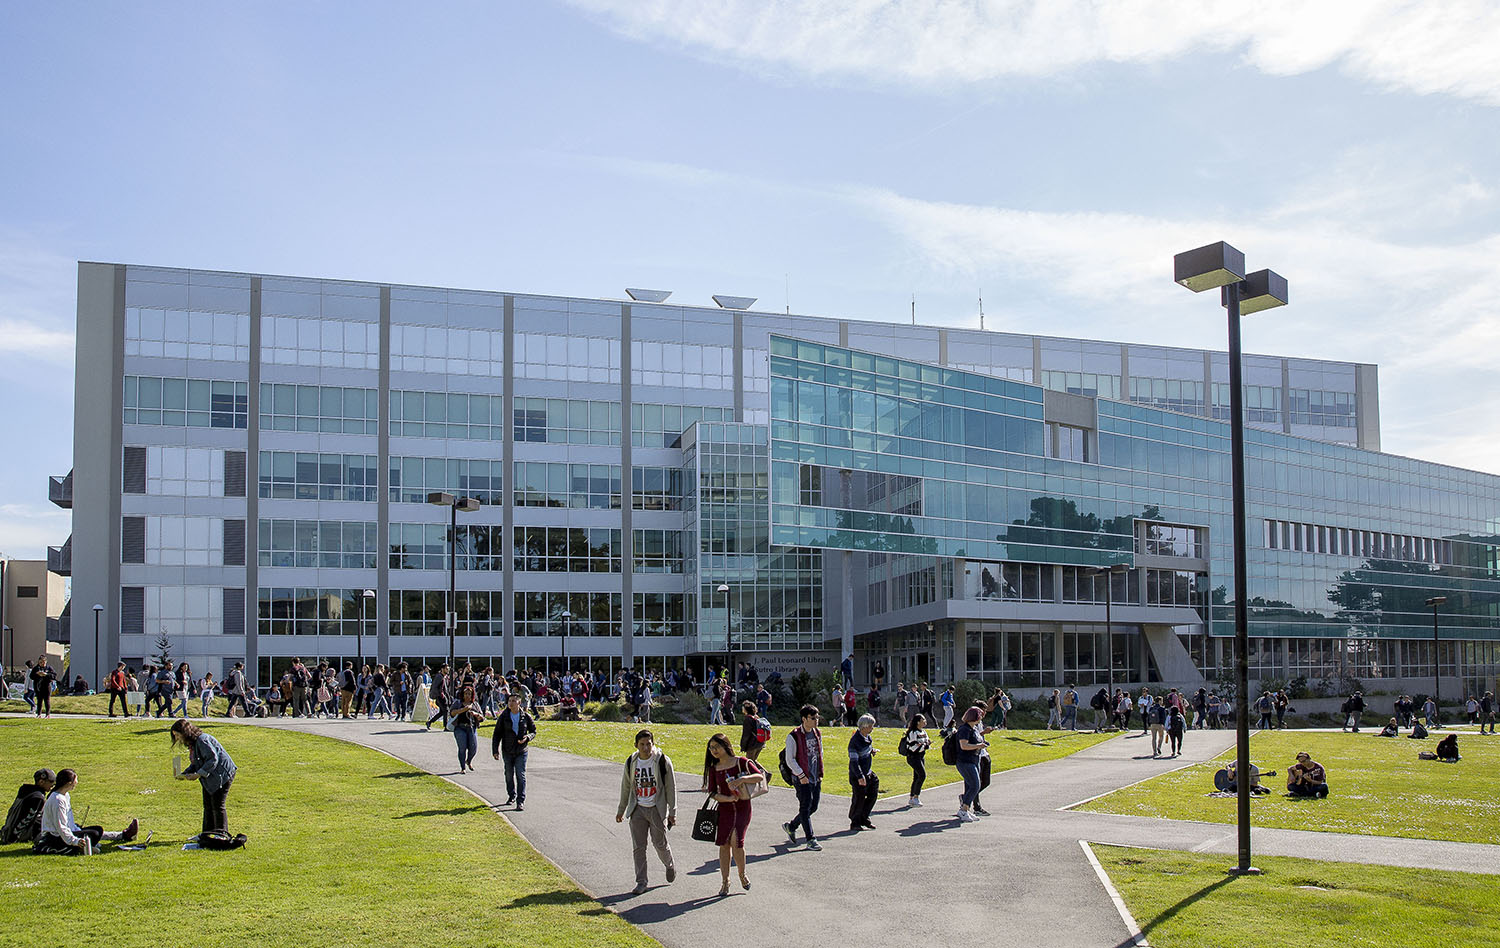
{"x": 968, "y": 692}
{"x": 605, "y": 711}
{"x": 689, "y": 708}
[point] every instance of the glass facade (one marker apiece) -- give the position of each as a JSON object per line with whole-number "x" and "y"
{"x": 940, "y": 496}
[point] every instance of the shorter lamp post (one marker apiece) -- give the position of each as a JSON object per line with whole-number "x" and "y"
{"x": 723, "y": 590}
{"x": 364, "y": 602}
{"x": 1437, "y": 702}
{"x": 566, "y": 618}
{"x": 441, "y": 498}
{"x": 98, "y": 608}
{"x": 1109, "y": 573}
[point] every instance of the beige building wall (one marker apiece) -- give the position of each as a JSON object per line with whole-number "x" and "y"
{"x": 32, "y": 596}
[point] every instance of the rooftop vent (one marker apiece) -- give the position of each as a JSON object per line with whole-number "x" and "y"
{"x": 647, "y": 296}
{"x": 734, "y": 302}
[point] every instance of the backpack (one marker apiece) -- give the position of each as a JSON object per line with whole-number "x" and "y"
{"x": 762, "y": 731}
{"x": 24, "y": 821}
{"x": 1346, "y": 707}
{"x": 786, "y": 772}
{"x": 1098, "y": 702}
{"x": 950, "y": 747}
{"x": 220, "y": 839}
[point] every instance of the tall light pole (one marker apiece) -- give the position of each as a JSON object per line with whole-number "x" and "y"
{"x": 1109, "y": 573}
{"x": 364, "y": 602}
{"x": 734, "y": 684}
{"x": 98, "y": 608}
{"x": 454, "y": 504}
{"x": 1220, "y": 266}
{"x": 566, "y": 617}
{"x": 1437, "y": 703}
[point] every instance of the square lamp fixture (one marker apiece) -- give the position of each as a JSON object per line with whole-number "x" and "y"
{"x": 1208, "y": 267}
{"x": 1263, "y": 289}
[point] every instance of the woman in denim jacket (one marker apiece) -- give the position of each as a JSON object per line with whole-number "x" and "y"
{"x": 212, "y": 767}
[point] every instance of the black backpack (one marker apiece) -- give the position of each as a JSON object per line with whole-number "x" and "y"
{"x": 24, "y": 821}
{"x": 220, "y": 839}
{"x": 950, "y": 747}
{"x": 786, "y": 772}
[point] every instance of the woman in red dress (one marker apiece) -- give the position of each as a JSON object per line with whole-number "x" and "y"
{"x": 730, "y": 780}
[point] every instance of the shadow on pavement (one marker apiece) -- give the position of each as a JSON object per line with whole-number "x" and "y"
{"x": 401, "y": 776}
{"x": 929, "y": 826}
{"x": 660, "y": 911}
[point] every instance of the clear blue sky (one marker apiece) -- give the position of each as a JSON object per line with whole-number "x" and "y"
{"x": 843, "y": 155}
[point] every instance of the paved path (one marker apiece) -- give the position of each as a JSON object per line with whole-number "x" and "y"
{"x": 1015, "y": 878}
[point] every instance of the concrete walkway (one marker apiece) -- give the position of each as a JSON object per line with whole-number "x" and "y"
{"x": 1016, "y": 878}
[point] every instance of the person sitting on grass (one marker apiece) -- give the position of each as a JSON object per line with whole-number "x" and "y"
{"x": 1306, "y": 778}
{"x": 1392, "y": 729}
{"x": 60, "y": 835}
{"x": 24, "y": 821}
{"x": 1255, "y": 785}
{"x": 1447, "y": 749}
{"x": 1418, "y": 732}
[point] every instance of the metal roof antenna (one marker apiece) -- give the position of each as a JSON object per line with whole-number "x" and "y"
{"x": 981, "y": 309}
{"x": 914, "y": 309}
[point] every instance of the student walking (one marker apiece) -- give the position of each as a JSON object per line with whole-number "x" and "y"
{"x": 42, "y": 677}
{"x": 1054, "y": 710}
{"x": 513, "y": 733}
{"x": 1156, "y": 723}
{"x": 864, "y": 786}
{"x": 804, "y": 758}
{"x": 206, "y": 692}
{"x": 466, "y": 717}
{"x": 947, "y": 702}
{"x": 1176, "y": 725}
{"x": 752, "y": 736}
{"x": 212, "y": 767}
{"x": 648, "y": 798}
{"x": 115, "y": 685}
{"x": 970, "y": 743}
{"x": 730, "y": 780}
{"x": 914, "y": 745}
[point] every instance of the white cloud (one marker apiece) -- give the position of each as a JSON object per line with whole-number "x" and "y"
{"x": 28, "y": 340}
{"x": 1411, "y": 45}
{"x": 26, "y": 530}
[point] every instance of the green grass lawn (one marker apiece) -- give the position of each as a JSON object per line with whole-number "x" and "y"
{"x": 347, "y": 847}
{"x": 99, "y": 704}
{"x": 686, "y": 743}
{"x": 1378, "y": 788}
{"x": 1186, "y": 900}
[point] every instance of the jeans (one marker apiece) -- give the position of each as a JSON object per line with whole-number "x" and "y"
{"x": 515, "y": 775}
{"x": 1070, "y": 717}
{"x": 969, "y": 770}
{"x": 208, "y": 697}
{"x": 808, "y": 795}
{"x": 468, "y": 745}
{"x": 215, "y": 814}
{"x": 379, "y": 702}
{"x": 113, "y": 694}
{"x": 918, "y": 773}
{"x": 715, "y": 715}
{"x": 182, "y": 710}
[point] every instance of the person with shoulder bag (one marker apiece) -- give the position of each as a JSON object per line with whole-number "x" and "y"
{"x": 648, "y": 798}
{"x": 514, "y": 730}
{"x": 732, "y": 782}
{"x": 864, "y": 786}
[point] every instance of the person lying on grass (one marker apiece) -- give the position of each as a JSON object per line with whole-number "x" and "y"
{"x": 1307, "y": 778}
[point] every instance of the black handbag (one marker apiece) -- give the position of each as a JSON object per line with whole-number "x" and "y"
{"x": 706, "y": 822}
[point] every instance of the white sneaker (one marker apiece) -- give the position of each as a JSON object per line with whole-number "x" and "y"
{"x": 964, "y": 816}
{"x": 915, "y": 801}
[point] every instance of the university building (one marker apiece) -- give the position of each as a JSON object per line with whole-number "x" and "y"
{"x": 664, "y": 485}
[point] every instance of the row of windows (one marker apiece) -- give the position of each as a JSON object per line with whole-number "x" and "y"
{"x": 412, "y": 479}
{"x": 289, "y": 475}
{"x": 446, "y": 351}
{"x": 1184, "y": 395}
{"x": 1082, "y": 383}
{"x": 327, "y": 408}
{"x": 1330, "y": 409}
{"x": 1262, "y": 402}
{"x": 334, "y": 544}
{"x": 567, "y": 550}
{"x": 332, "y": 343}
{"x": 659, "y": 426}
{"x": 1342, "y": 541}
{"x": 448, "y": 415}
{"x": 567, "y": 421}
{"x": 543, "y": 484}
{"x": 1165, "y": 539}
{"x": 175, "y": 334}
{"x": 192, "y": 403}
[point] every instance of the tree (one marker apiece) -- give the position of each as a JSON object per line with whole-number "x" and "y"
{"x": 163, "y": 648}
